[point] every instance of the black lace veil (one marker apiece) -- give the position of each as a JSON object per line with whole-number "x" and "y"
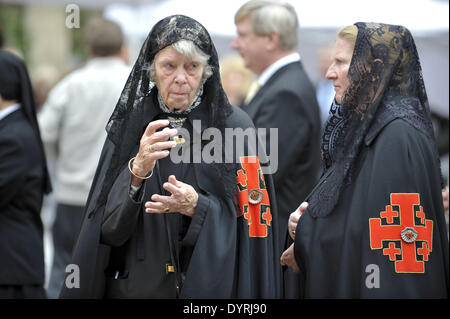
{"x": 386, "y": 82}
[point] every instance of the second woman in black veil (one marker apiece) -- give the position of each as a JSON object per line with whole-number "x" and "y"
{"x": 374, "y": 226}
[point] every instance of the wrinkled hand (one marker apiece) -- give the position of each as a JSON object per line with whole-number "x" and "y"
{"x": 295, "y": 217}
{"x": 183, "y": 200}
{"x": 445, "y": 199}
{"x": 153, "y": 146}
{"x": 288, "y": 259}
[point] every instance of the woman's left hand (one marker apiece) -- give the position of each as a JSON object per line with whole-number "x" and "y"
{"x": 288, "y": 259}
{"x": 183, "y": 200}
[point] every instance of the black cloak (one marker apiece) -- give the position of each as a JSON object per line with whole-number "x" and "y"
{"x": 228, "y": 261}
{"x": 375, "y": 224}
{"x": 23, "y": 182}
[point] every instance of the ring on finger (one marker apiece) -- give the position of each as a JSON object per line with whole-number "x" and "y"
{"x": 151, "y": 149}
{"x": 166, "y": 209}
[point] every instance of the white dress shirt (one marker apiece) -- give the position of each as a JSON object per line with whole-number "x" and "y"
{"x": 274, "y": 67}
{"x": 8, "y": 110}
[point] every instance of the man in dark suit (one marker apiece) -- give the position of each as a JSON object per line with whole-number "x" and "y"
{"x": 267, "y": 40}
{"x": 23, "y": 182}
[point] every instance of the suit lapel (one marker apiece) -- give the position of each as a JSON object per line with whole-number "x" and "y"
{"x": 10, "y": 118}
{"x": 254, "y": 105}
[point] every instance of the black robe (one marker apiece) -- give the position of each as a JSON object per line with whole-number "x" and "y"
{"x": 226, "y": 259}
{"x": 232, "y": 242}
{"x": 357, "y": 251}
{"x": 22, "y": 177}
{"x": 24, "y": 180}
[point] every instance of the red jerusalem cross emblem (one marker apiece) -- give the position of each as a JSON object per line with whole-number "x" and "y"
{"x": 253, "y": 197}
{"x": 408, "y": 235}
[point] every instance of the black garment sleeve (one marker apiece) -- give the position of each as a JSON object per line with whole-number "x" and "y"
{"x": 121, "y": 211}
{"x": 13, "y": 170}
{"x": 197, "y": 221}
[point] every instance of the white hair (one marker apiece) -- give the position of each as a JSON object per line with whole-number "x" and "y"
{"x": 192, "y": 52}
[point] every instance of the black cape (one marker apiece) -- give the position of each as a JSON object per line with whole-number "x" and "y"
{"x": 23, "y": 181}
{"x": 375, "y": 227}
{"x": 15, "y": 85}
{"x": 346, "y": 254}
{"x": 229, "y": 261}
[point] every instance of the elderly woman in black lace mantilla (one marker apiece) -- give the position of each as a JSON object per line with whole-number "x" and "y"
{"x": 157, "y": 228}
{"x": 374, "y": 225}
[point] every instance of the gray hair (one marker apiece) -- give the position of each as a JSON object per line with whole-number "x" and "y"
{"x": 192, "y": 52}
{"x": 267, "y": 16}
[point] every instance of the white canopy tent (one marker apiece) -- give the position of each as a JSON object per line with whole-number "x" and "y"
{"x": 428, "y": 20}
{"x": 217, "y": 16}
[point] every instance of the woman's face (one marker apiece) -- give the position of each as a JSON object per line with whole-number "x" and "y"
{"x": 177, "y": 78}
{"x": 338, "y": 70}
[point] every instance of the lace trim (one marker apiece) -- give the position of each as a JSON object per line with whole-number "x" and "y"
{"x": 178, "y": 121}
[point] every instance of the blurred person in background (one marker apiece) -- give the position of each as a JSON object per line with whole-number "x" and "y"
{"x": 72, "y": 123}
{"x": 2, "y": 40}
{"x": 43, "y": 79}
{"x": 23, "y": 182}
{"x": 441, "y": 125}
{"x": 445, "y": 197}
{"x": 236, "y": 78}
{"x": 267, "y": 40}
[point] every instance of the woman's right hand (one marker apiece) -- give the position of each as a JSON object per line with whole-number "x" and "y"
{"x": 153, "y": 146}
{"x": 295, "y": 217}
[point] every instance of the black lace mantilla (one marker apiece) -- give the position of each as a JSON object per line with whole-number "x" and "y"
{"x": 386, "y": 83}
{"x": 334, "y": 129}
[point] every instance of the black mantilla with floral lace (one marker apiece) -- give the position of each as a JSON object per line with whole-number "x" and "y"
{"x": 386, "y": 82}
